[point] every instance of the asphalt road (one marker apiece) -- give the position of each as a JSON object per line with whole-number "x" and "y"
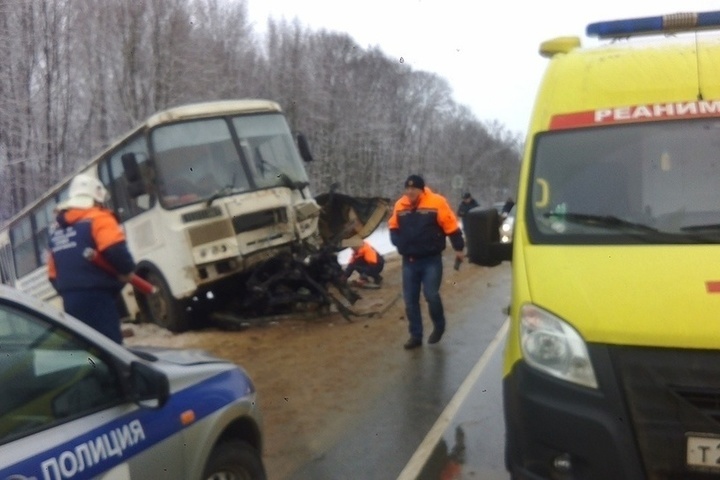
{"x": 443, "y": 413}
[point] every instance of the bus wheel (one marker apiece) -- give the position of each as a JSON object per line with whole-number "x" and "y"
{"x": 161, "y": 308}
{"x": 234, "y": 460}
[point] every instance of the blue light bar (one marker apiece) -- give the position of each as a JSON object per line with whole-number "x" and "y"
{"x": 673, "y": 23}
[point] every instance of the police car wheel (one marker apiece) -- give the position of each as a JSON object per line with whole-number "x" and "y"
{"x": 234, "y": 460}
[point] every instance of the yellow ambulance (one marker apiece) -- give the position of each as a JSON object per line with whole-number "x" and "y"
{"x": 612, "y": 362}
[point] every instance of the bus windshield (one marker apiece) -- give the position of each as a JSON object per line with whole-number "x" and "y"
{"x": 198, "y": 160}
{"x": 636, "y": 183}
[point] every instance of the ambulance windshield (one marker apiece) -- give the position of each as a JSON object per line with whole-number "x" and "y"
{"x": 656, "y": 182}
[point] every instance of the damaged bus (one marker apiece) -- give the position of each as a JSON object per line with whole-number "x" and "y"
{"x": 216, "y": 206}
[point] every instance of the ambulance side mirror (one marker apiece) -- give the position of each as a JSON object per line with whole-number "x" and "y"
{"x": 482, "y": 238}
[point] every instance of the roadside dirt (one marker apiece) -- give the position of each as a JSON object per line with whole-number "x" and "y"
{"x": 314, "y": 371}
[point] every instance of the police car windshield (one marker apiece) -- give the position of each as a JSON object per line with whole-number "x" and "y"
{"x": 651, "y": 182}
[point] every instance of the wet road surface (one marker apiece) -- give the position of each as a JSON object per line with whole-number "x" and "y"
{"x": 467, "y": 439}
{"x": 393, "y": 436}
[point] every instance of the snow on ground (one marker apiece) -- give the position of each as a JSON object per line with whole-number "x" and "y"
{"x": 380, "y": 241}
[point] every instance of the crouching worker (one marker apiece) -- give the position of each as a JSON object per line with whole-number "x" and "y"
{"x": 88, "y": 292}
{"x": 367, "y": 262}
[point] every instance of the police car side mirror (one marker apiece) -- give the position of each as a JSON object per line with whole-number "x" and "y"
{"x": 482, "y": 238}
{"x": 148, "y": 387}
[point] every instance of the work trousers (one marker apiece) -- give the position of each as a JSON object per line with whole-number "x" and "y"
{"x": 423, "y": 274}
{"x": 96, "y": 308}
{"x": 365, "y": 269}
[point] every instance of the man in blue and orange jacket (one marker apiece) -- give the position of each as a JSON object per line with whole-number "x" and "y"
{"x": 89, "y": 293}
{"x": 419, "y": 224}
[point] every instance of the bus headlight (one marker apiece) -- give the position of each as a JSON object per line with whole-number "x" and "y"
{"x": 215, "y": 251}
{"x": 554, "y": 347}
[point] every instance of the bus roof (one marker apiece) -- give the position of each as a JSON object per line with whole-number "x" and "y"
{"x": 211, "y": 109}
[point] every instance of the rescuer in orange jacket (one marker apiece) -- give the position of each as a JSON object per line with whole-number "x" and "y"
{"x": 367, "y": 262}
{"x": 419, "y": 224}
{"x": 89, "y": 293}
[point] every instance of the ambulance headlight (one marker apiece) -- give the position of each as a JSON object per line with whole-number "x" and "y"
{"x": 554, "y": 347}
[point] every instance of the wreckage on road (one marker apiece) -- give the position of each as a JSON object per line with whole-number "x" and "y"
{"x": 216, "y": 205}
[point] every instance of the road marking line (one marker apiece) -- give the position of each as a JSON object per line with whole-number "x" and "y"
{"x": 420, "y": 457}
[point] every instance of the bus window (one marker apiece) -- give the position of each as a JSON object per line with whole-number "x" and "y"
{"x": 122, "y": 203}
{"x": 43, "y": 216}
{"x": 63, "y": 195}
{"x": 196, "y": 160}
{"x": 24, "y": 247}
{"x": 7, "y": 269}
{"x": 269, "y": 149}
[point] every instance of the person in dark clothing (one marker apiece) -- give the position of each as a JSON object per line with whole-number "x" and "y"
{"x": 419, "y": 225}
{"x": 367, "y": 262}
{"x": 466, "y": 204}
{"x": 88, "y": 292}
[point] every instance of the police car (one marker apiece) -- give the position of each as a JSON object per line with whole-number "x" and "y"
{"x": 75, "y": 405}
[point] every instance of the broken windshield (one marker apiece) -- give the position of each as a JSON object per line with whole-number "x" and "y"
{"x": 199, "y": 161}
{"x": 269, "y": 150}
{"x": 652, "y": 183}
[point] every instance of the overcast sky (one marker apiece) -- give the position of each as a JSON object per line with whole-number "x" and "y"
{"x": 487, "y": 50}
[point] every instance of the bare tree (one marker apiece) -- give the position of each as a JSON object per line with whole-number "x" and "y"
{"x": 20, "y": 47}
{"x": 66, "y": 92}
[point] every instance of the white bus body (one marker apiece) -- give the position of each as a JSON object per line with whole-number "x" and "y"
{"x": 221, "y": 187}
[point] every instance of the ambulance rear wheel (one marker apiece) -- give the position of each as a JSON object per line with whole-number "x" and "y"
{"x": 234, "y": 460}
{"x": 161, "y": 308}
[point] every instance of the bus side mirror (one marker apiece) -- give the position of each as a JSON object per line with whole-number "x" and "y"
{"x": 482, "y": 234}
{"x": 133, "y": 176}
{"x": 304, "y": 148}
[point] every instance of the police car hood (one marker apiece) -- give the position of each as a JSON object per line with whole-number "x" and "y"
{"x": 187, "y": 367}
{"x": 646, "y": 295}
{"x": 176, "y": 356}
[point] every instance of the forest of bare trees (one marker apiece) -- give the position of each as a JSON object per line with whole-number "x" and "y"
{"x": 78, "y": 73}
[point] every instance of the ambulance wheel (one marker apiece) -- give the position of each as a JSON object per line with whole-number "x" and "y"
{"x": 234, "y": 460}
{"x": 161, "y": 308}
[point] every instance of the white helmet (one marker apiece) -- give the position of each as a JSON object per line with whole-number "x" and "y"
{"x": 84, "y": 191}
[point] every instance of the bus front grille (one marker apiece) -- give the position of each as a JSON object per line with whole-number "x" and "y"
{"x": 203, "y": 214}
{"x": 261, "y": 219}
{"x": 210, "y": 232}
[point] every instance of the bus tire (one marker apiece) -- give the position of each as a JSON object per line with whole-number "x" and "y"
{"x": 161, "y": 308}
{"x": 234, "y": 459}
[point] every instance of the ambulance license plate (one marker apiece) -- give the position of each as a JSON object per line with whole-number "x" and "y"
{"x": 703, "y": 451}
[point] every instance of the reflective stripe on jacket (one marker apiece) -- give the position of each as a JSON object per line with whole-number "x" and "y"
{"x": 78, "y": 229}
{"x": 420, "y": 230}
